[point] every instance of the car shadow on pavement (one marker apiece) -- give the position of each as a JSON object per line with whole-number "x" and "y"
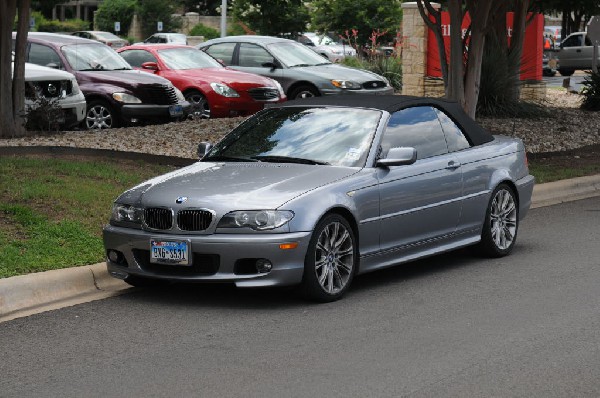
{"x": 220, "y": 295}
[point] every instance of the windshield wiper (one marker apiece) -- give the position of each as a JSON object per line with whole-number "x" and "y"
{"x": 287, "y": 159}
{"x": 122, "y": 69}
{"x": 300, "y": 65}
{"x": 222, "y": 158}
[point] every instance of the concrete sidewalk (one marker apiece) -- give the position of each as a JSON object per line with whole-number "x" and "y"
{"x": 34, "y": 293}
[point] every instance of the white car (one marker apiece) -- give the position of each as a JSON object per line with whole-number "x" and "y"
{"x": 62, "y": 86}
{"x": 327, "y": 47}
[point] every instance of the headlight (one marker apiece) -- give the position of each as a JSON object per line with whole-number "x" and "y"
{"x": 75, "y": 87}
{"x": 126, "y": 214}
{"x": 224, "y": 90}
{"x": 346, "y": 84}
{"x": 279, "y": 88}
{"x": 259, "y": 220}
{"x": 179, "y": 95}
{"x": 126, "y": 98}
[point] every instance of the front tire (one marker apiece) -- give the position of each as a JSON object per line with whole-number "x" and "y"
{"x": 331, "y": 260}
{"x": 303, "y": 92}
{"x": 501, "y": 223}
{"x": 200, "y": 107}
{"x": 100, "y": 115}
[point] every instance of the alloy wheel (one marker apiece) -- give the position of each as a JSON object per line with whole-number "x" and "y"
{"x": 503, "y": 219}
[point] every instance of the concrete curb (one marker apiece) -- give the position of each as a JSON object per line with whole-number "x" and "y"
{"x": 43, "y": 291}
{"x": 34, "y": 293}
{"x": 553, "y": 193}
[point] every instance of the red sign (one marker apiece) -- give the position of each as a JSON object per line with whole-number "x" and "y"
{"x": 531, "y": 61}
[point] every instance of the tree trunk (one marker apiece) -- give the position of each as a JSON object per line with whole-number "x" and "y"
{"x": 515, "y": 51}
{"x": 480, "y": 13}
{"x": 456, "y": 87}
{"x": 7, "y": 16}
{"x": 18, "y": 84}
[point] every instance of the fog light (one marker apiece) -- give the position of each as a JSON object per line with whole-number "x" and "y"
{"x": 114, "y": 256}
{"x": 263, "y": 265}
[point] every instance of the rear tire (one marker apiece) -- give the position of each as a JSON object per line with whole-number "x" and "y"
{"x": 331, "y": 260}
{"x": 501, "y": 223}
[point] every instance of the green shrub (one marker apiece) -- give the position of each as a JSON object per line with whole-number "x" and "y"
{"x": 591, "y": 92}
{"x": 388, "y": 67}
{"x": 111, "y": 11}
{"x": 495, "y": 86}
{"x": 206, "y": 31}
{"x": 46, "y": 115}
{"x": 69, "y": 25}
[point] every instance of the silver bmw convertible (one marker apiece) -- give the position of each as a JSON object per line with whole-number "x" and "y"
{"x": 316, "y": 191}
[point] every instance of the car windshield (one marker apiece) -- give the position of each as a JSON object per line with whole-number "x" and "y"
{"x": 91, "y": 56}
{"x": 333, "y": 136}
{"x": 187, "y": 58}
{"x": 293, "y": 54}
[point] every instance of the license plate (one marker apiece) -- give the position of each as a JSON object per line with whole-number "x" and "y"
{"x": 169, "y": 252}
{"x": 175, "y": 110}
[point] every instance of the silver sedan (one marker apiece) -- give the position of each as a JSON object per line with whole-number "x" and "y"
{"x": 300, "y": 71}
{"x": 314, "y": 192}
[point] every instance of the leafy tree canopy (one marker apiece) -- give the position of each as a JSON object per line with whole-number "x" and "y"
{"x": 272, "y": 17}
{"x": 151, "y": 12}
{"x": 111, "y": 11}
{"x": 363, "y": 15}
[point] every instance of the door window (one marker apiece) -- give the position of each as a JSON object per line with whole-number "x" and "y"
{"x": 455, "y": 138}
{"x": 253, "y": 56}
{"x": 222, "y": 52}
{"x": 416, "y": 127}
{"x": 136, "y": 58}
{"x": 44, "y": 55}
{"x": 574, "y": 41}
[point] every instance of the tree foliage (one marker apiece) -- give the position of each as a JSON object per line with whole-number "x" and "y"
{"x": 202, "y": 7}
{"x": 575, "y": 13}
{"x": 365, "y": 16}
{"x": 111, "y": 11}
{"x": 272, "y": 17}
{"x": 150, "y": 12}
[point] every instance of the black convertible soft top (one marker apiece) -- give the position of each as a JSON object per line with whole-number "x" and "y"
{"x": 476, "y": 134}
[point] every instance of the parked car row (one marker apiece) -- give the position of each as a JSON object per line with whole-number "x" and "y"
{"x": 233, "y": 76}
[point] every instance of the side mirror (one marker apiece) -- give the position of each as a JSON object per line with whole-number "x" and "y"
{"x": 271, "y": 65}
{"x": 398, "y": 157}
{"x": 203, "y": 149}
{"x": 150, "y": 66}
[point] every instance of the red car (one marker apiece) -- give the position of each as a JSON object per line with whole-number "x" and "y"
{"x": 212, "y": 89}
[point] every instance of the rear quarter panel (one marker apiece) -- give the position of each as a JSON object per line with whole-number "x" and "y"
{"x": 484, "y": 168}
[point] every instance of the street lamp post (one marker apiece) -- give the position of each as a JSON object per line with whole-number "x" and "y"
{"x": 223, "y": 18}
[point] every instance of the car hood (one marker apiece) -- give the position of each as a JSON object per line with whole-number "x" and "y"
{"x": 224, "y": 187}
{"x": 35, "y": 72}
{"x": 336, "y": 71}
{"x": 123, "y": 78}
{"x": 227, "y": 76}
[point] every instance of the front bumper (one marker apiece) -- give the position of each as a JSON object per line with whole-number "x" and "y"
{"x": 232, "y": 107}
{"x": 217, "y": 258}
{"x": 152, "y": 111}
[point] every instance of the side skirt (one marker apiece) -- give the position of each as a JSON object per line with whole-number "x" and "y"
{"x": 403, "y": 254}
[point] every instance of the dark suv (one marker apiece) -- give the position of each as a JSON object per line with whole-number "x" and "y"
{"x": 115, "y": 93}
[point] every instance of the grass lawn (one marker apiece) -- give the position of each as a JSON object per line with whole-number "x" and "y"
{"x": 52, "y": 209}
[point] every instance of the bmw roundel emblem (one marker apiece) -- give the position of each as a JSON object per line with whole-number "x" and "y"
{"x": 181, "y": 199}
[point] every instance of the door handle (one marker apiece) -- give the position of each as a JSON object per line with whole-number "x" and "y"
{"x": 452, "y": 165}
{"x": 578, "y": 51}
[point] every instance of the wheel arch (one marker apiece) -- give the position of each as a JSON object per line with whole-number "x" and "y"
{"x": 297, "y": 84}
{"x": 348, "y": 216}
